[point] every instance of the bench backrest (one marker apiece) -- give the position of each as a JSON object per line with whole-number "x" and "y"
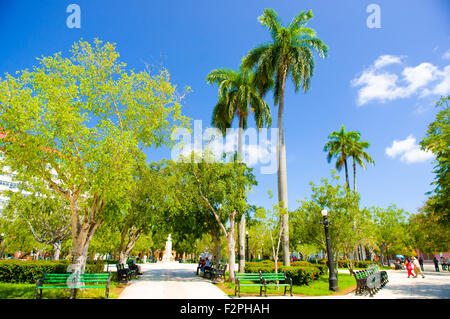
{"x": 248, "y": 276}
{"x": 62, "y": 278}
{"x": 273, "y": 276}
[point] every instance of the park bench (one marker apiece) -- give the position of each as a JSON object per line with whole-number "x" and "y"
{"x": 218, "y": 272}
{"x": 111, "y": 267}
{"x": 134, "y": 269}
{"x": 73, "y": 282}
{"x": 123, "y": 274}
{"x": 370, "y": 281}
{"x": 247, "y": 279}
{"x": 277, "y": 280}
{"x": 207, "y": 273}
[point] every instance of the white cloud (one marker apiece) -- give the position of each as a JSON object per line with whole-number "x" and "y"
{"x": 408, "y": 150}
{"x": 384, "y": 60}
{"x": 377, "y": 84}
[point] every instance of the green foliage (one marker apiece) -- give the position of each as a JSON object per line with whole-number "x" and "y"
{"x": 347, "y": 221}
{"x": 237, "y": 96}
{"x": 46, "y": 216}
{"x": 21, "y": 271}
{"x": 302, "y": 273}
{"x": 427, "y": 232}
{"x": 291, "y": 50}
{"x": 77, "y": 125}
{"x": 437, "y": 141}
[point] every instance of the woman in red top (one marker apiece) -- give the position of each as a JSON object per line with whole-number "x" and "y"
{"x": 409, "y": 268}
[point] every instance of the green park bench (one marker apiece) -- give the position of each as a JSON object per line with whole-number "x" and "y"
{"x": 219, "y": 271}
{"x": 277, "y": 280}
{"x": 82, "y": 281}
{"x": 247, "y": 279}
{"x": 370, "y": 281}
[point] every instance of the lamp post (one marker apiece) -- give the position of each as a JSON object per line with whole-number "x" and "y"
{"x": 333, "y": 284}
{"x": 246, "y": 237}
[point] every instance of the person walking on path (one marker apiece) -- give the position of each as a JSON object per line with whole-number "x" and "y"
{"x": 409, "y": 268}
{"x": 416, "y": 266}
{"x": 436, "y": 263}
{"x": 421, "y": 263}
{"x": 444, "y": 263}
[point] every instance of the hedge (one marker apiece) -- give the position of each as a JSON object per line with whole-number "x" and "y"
{"x": 343, "y": 263}
{"x": 302, "y": 273}
{"x": 28, "y": 271}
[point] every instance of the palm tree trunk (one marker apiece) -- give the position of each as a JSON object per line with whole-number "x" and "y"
{"x": 282, "y": 174}
{"x": 354, "y": 175}
{"x": 346, "y": 175}
{"x": 241, "y": 225}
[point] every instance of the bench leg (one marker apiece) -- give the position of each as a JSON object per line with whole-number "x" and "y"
{"x": 107, "y": 291}
{"x": 36, "y": 290}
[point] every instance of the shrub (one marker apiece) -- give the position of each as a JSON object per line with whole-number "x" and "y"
{"x": 301, "y": 272}
{"x": 301, "y": 275}
{"x": 29, "y": 271}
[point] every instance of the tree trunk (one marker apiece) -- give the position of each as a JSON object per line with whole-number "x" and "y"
{"x": 133, "y": 236}
{"x": 218, "y": 247}
{"x": 56, "y": 250}
{"x": 241, "y": 224}
{"x": 354, "y": 175}
{"x": 346, "y": 175}
{"x": 282, "y": 174}
{"x": 82, "y": 233}
{"x": 241, "y": 237}
{"x": 231, "y": 246}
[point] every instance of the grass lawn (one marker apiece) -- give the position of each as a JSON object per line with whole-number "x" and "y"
{"x": 318, "y": 287}
{"x": 26, "y": 291}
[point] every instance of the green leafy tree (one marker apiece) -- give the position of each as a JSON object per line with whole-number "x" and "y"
{"x": 437, "y": 141}
{"x": 78, "y": 124}
{"x": 221, "y": 188}
{"x": 427, "y": 232}
{"x": 390, "y": 231}
{"x": 271, "y": 220}
{"x": 148, "y": 203}
{"x": 345, "y": 218}
{"x": 238, "y": 96}
{"x": 291, "y": 52}
{"x": 47, "y": 217}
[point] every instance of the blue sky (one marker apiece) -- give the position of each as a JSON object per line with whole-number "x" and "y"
{"x": 382, "y": 82}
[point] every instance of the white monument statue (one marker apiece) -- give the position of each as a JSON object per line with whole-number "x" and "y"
{"x": 168, "y": 252}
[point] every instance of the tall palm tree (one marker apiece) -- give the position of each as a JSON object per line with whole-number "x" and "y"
{"x": 339, "y": 146}
{"x": 289, "y": 53}
{"x": 358, "y": 155}
{"x": 356, "y": 151}
{"x": 238, "y": 96}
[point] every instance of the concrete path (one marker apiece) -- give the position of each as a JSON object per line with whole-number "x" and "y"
{"x": 179, "y": 281}
{"x": 435, "y": 285}
{"x": 171, "y": 281}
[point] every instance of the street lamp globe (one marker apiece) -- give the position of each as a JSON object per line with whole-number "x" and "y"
{"x": 324, "y": 212}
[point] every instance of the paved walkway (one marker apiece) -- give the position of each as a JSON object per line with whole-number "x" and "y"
{"x": 179, "y": 281}
{"x": 171, "y": 281}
